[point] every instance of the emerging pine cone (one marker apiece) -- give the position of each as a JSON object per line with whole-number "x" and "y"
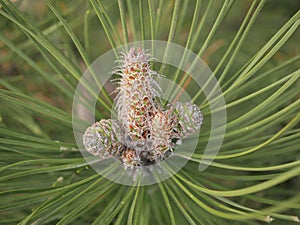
{"x": 145, "y": 132}
{"x": 100, "y": 140}
{"x": 190, "y": 118}
{"x": 163, "y": 131}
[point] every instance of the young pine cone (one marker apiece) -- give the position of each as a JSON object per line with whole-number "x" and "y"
{"x": 100, "y": 140}
{"x": 189, "y": 116}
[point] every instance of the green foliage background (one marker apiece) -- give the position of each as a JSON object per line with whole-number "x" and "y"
{"x": 252, "y": 48}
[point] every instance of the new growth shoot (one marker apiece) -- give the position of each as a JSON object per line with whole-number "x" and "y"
{"x": 145, "y": 132}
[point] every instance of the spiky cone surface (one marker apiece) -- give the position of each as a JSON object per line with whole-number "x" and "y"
{"x": 130, "y": 158}
{"x": 189, "y": 117}
{"x": 101, "y": 140}
{"x": 164, "y": 133}
{"x": 135, "y": 100}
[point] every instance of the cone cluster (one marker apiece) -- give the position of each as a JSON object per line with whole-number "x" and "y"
{"x": 145, "y": 132}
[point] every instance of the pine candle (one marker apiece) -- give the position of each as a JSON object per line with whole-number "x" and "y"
{"x": 145, "y": 132}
